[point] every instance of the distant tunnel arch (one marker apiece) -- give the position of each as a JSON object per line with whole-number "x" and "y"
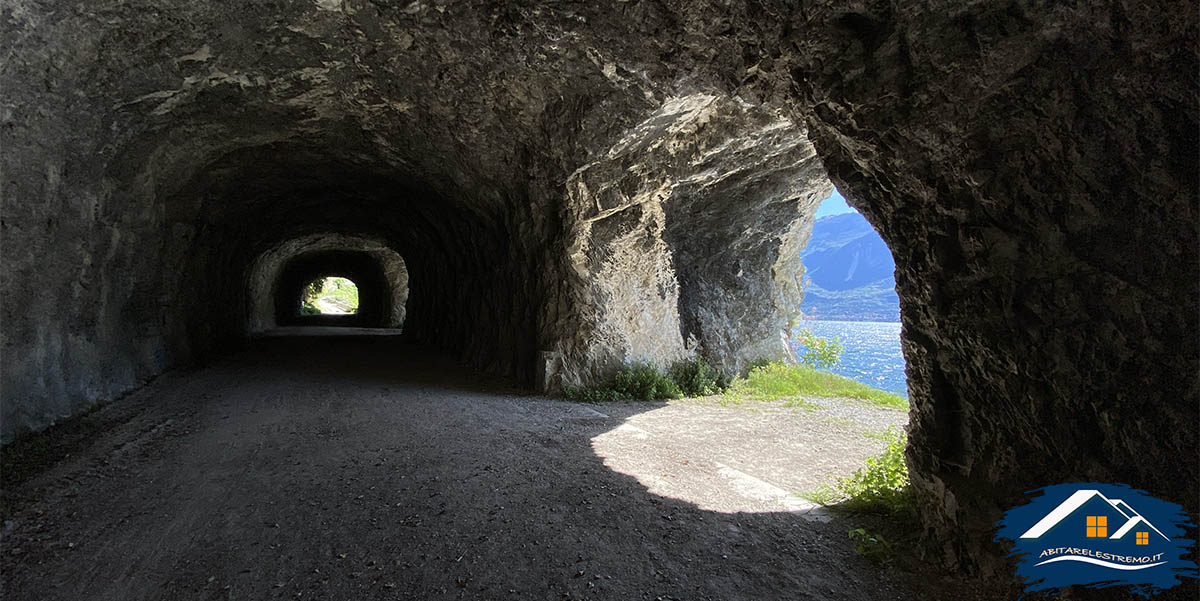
{"x": 279, "y": 275}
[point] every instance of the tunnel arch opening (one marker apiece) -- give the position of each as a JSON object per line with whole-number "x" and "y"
{"x": 280, "y": 277}
{"x": 555, "y": 197}
{"x": 298, "y": 274}
{"x": 329, "y": 295}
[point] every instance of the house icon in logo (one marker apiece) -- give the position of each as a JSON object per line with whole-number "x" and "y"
{"x": 1101, "y": 516}
{"x": 1090, "y": 534}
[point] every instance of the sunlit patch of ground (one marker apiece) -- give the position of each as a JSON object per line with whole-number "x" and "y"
{"x": 752, "y": 457}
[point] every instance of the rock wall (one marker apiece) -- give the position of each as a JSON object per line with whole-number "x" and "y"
{"x": 687, "y": 234}
{"x": 583, "y": 185}
{"x": 1033, "y": 169}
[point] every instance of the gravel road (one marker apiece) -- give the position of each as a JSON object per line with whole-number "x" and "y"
{"x": 358, "y": 468}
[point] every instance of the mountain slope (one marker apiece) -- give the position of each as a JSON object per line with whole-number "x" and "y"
{"x": 849, "y": 271}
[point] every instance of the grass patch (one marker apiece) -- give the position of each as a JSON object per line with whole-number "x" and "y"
{"x": 823, "y": 495}
{"x": 778, "y": 381}
{"x": 884, "y": 435}
{"x": 799, "y": 403}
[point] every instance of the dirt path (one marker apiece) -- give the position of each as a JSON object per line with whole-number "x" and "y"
{"x": 340, "y": 468}
{"x": 331, "y": 306}
{"x": 753, "y": 457}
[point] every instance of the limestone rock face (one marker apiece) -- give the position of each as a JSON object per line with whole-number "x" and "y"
{"x": 575, "y": 186}
{"x": 694, "y": 211}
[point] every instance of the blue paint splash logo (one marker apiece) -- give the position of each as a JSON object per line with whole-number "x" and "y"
{"x": 1098, "y": 536}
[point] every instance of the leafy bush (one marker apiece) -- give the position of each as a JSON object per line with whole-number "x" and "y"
{"x": 871, "y": 545}
{"x": 636, "y": 382}
{"x": 313, "y": 289}
{"x": 309, "y": 309}
{"x": 695, "y": 377}
{"x": 643, "y": 382}
{"x": 881, "y": 486}
{"x": 761, "y": 362}
{"x": 779, "y": 381}
{"x": 813, "y": 350}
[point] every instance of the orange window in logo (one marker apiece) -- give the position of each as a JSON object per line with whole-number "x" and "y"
{"x": 1143, "y": 538}
{"x": 1097, "y": 526}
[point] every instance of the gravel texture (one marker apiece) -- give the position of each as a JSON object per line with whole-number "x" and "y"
{"x": 327, "y": 468}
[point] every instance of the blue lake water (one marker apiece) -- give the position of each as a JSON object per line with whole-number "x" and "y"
{"x": 872, "y": 354}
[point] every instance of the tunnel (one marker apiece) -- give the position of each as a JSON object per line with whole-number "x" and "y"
{"x": 306, "y": 270}
{"x": 277, "y": 277}
{"x": 550, "y": 192}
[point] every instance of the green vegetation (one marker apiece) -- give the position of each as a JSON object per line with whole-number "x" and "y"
{"x": 824, "y": 495}
{"x": 884, "y": 435}
{"x": 637, "y": 382}
{"x": 778, "y": 381}
{"x": 695, "y": 377}
{"x": 815, "y": 351}
{"x": 775, "y": 380}
{"x": 313, "y": 289}
{"x": 880, "y": 487}
{"x": 872, "y": 545}
{"x": 645, "y": 381}
{"x": 337, "y": 291}
{"x": 767, "y": 381}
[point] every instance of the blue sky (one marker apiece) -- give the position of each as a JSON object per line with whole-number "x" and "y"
{"x": 834, "y": 205}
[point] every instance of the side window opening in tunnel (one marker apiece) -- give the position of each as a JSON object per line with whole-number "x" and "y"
{"x": 333, "y": 295}
{"x": 850, "y": 298}
{"x": 843, "y": 365}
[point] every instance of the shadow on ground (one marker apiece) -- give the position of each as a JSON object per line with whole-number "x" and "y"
{"x": 360, "y": 468}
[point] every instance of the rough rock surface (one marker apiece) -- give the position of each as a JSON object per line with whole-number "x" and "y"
{"x": 1031, "y": 165}
{"x": 688, "y": 232}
